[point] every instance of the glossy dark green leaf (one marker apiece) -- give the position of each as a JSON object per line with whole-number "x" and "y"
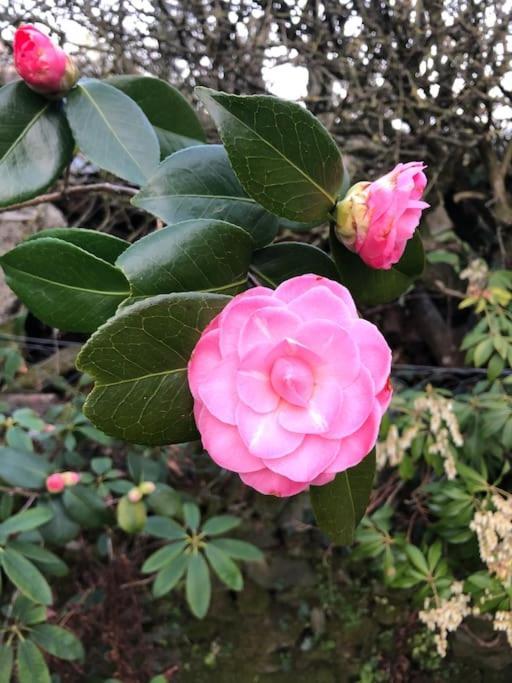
{"x": 163, "y": 527}
{"x": 57, "y": 641}
{"x": 197, "y": 255}
{"x": 175, "y": 122}
{"x": 6, "y": 663}
{"x": 64, "y": 285}
{"x": 28, "y": 470}
{"x": 283, "y": 156}
{"x": 239, "y": 550}
{"x": 220, "y": 524}
{"x": 30, "y": 663}
{"x": 168, "y": 576}
{"x": 61, "y": 528}
{"x": 224, "y": 567}
{"x": 371, "y": 286}
{"x": 85, "y": 506}
{"x": 112, "y": 131}
{"x": 47, "y": 561}
{"x": 200, "y": 183}
{"x": 26, "y": 520}
{"x": 106, "y": 247}
{"x": 279, "y": 262}
{"x": 163, "y": 556}
{"x": 340, "y": 505}
{"x": 198, "y": 587}
{"x": 25, "y": 576}
{"x": 144, "y": 397}
{"x": 35, "y": 143}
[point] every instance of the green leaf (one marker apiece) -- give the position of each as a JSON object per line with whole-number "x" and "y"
{"x": 371, "y": 286}
{"x": 57, "y": 641}
{"x": 47, "y": 561}
{"x": 144, "y": 397}
{"x": 198, "y": 585}
{"x": 35, "y": 143}
{"x": 31, "y": 665}
{"x": 219, "y": 525}
{"x": 199, "y": 183}
{"x": 197, "y": 255}
{"x": 6, "y": 663}
{"x": 283, "y": 156}
{"x": 26, "y": 520}
{"x": 25, "y": 576}
{"x": 23, "y": 469}
{"x": 279, "y": 262}
{"x": 106, "y": 247}
{"x": 164, "y": 501}
{"x": 64, "y": 285}
{"x": 17, "y": 438}
{"x": 168, "y": 577}
{"x": 61, "y": 528}
{"x": 85, "y": 506}
{"x": 239, "y": 550}
{"x": 27, "y": 611}
{"x": 28, "y": 419}
{"x": 163, "y": 556}
{"x": 163, "y": 527}
{"x": 191, "y": 516}
{"x": 101, "y": 466}
{"x": 483, "y": 352}
{"x": 417, "y": 559}
{"x": 224, "y": 567}
{"x": 131, "y": 517}
{"x": 175, "y": 122}
{"x": 339, "y": 505}
{"x": 112, "y": 131}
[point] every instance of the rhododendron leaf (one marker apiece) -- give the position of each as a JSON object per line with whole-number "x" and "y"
{"x": 191, "y": 516}
{"x": 219, "y": 525}
{"x": 239, "y": 550}
{"x": 30, "y": 664}
{"x": 85, "y": 506}
{"x": 199, "y": 183}
{"x": 18, "y": 468}
{"x": 61, "y": 528}
{"x": 112, "y": 130}
{"x": 340, "y": 505}
{"x": 100, "y": 244}
{"x": 224, "y": 567}
{"x": 6, "y": 662}
{"x": 163, "y": 556}
{"x": 35, "y": 143}
{"x": 26, "y": 520}
{"x": 64, "y": 285}
{"x": 163, "y": 527}
{"x": 168, "y": 577}
{"x": 57, "y": 641}
{"x": 371, "y": 286}
{"x": 196, "y": 255}
{"x": 198, "y": 585}
{"x": 25, "y": 576}
{"x": 279, "y": 262}
{"x": 143, "y": 397}
{"x": 174, "y": 120}
{"x": 283, "y": 156}
{"x": 43, "y": 558}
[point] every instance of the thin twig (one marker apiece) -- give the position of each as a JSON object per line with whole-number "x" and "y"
{"x": 76, "y": 189}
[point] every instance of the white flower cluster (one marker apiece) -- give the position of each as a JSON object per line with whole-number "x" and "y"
{"x": 494, "y": 532}
{"x": 503, "y": 622}
{"x": 434, "y": 413}
{"x": 446, "y": 616}
{"x": 477, "y": 275}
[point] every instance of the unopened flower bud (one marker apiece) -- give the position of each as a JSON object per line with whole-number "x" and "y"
{"x": 55, "y": 483}
{"x": 146, "y": 488}
{"x": 44, "y": 67}
{"x": 134, "y": 495}
{"x": 71, "y": 478}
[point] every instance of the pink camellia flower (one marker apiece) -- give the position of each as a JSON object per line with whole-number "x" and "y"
{"x": 375, "y": 220}
{"x": 44, "y": 67}
{"x": 55, "y": 483}
{"x": 290, "y": 385}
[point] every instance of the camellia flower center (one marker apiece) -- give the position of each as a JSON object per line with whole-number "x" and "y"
{"x": 292, "y": 379}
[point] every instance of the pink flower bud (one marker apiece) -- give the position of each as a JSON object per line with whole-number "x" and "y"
{"x": 71, "y": 478}
{"x": 134, "y": 495}
{"x": 44, "y": 67}
{"x": 55, "y": 483}
{"x": 375, "y": 220}
{"x": 147, "y": 488}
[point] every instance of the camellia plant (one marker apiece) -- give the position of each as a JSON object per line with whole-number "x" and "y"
{"x": 206, "y": 327}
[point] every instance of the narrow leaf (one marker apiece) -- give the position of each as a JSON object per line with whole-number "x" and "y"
{"x": 198, "y": 586}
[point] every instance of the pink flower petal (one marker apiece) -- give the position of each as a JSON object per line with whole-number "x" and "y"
{"x": 296, "y": 286}
{"x": 355, "y": 447}
{"x": 255, "y": 390}
{"x": 318, "y": 416}
{"x": 321, "y": 303}
{"x": 272, "y": 484}
{"x": 205, "y": 357}
{"x": 223, "y": 443}
{"x": 374, "y": 352}
{"x": 236, "y": 314}
{"x": 267, "y": 326}
{"x": 218, "y": 390}
{"x": 357, "y": 402}
{"x": 263, "y": 435}
{"x": 324, "y": 478}
{"x": 308, "y": 461}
